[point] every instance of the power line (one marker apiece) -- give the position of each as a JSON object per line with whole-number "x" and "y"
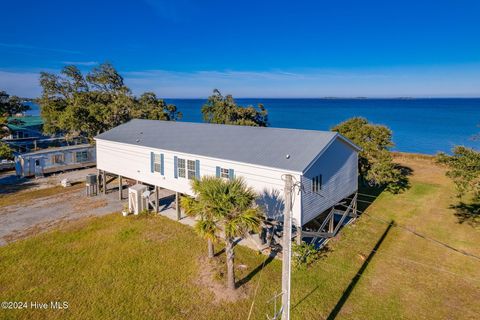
{"x": 467, "y": 279}
{"x": 256, "y": 288}
{"x": 357, "y": 274}
{"x": 444, "y": 244}
{"x": 261, "y": 272}
{"x": 441, "y": 243}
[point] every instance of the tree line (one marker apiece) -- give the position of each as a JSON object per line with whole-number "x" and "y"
{"x": 77, "y": 104}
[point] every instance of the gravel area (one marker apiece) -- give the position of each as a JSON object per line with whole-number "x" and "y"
{"x": 19, "y": 220}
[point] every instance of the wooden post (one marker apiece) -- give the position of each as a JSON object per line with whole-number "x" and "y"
{"x": 98, "y": 180}
{"x": 177, "y": 206}
{"x": 120, "y": 188}
{"x": 355, "y": 205}
{"x": 299, "y": 234}
{"x": 156, "y": 199}
{"x": 330, "y": 224}
{"x": 104, "y": 182}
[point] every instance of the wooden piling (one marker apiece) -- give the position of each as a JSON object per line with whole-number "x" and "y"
{"x": 177, "y": 206}
{"x": 120, "y": 188}
{"x": 156, "y": 199}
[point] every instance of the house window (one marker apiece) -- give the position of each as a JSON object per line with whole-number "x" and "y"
{"x": 317, "y": 183}
{"x": 181, "y": 168}
{"x": 81, "y": 156}
{"x": 57, "y": 158}
{"x": 157, "y": 165}
{"x": 224, "y": 173}
{"x": 191, "y": 169}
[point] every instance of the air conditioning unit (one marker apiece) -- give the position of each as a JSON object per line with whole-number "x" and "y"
{"x": 136, "y": 202}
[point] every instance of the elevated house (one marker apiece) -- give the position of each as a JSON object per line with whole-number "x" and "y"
{"x": 163, "y": 154}
{"x": 24, "y": 133}
{"x": 53, "y": 160}
{"x": 24, "y": 127}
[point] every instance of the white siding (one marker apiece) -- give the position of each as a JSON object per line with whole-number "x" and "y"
{"x": 134, "y": 162}
{"x": 338, "y": 166}
{"x": 27, "y": 161}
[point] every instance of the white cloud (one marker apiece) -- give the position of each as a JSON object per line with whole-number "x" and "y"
{"x": 80, "y": 63}
{"x": 413, "y": 82}
{"x": 460, "y": 81}
{"x": 23, "y": 84}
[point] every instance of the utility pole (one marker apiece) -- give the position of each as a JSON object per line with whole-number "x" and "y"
{"x": 287, "y": 248}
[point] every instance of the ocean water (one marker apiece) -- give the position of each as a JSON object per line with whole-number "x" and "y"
{"x": 418, "y": 125}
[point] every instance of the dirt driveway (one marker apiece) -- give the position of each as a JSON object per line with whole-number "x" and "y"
{"x": 24, "y": 218}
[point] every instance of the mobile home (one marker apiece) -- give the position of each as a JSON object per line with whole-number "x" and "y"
{"x": 53, "y": 160}
{"x": 166, "y": 154}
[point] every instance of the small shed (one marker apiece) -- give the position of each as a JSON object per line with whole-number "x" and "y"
{"x": 53, "y": 160}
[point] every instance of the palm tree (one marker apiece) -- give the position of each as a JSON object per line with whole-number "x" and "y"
{"x": 227, "y": 205}
{"x": 240, "y": 215}
{"x": 206, "y": 225}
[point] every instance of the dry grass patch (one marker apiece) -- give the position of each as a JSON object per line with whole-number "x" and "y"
{"x": 29, "y": 195}
{"x": 211, "y": 277}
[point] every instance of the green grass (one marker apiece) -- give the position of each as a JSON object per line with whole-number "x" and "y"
{"x": 119, "y": 268}
{"x": 147, "y": 267}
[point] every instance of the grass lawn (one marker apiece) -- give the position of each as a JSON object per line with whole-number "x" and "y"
{"x": 148, "y": 267}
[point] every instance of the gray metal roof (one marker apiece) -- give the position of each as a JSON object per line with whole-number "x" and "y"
{"x": 57, "y": 149}
{"x": 255, "y": 145}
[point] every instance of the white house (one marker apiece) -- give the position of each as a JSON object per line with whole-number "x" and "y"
{"x": 169, "y": 154}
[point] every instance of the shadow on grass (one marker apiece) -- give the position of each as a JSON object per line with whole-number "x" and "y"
{"x": 322, "y": 253}
{"x": 346, "y": 294}
{"x": 468, "y": 213}
{"x": 252, "y": 273}
{"x": 368, "y": 193}
{"x": 403, "y": 182}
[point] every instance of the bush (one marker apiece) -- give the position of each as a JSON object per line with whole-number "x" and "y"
{"x": 304, "y": 255}
{"x": 464, "y": 169}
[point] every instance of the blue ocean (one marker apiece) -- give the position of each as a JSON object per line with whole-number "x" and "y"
{"x": 419, "y": 125}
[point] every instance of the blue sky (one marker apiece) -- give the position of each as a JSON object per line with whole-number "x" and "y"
{"x": 250, "y": 48}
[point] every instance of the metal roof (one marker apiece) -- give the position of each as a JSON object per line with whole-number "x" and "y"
{"x": 254, "y": 145}
{"x": 24, "y": 123}
{"x": 57, "y": 149}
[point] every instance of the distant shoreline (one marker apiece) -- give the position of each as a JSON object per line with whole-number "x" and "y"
{"x": 425, "y": 126}
{"x": 32, "y": 100}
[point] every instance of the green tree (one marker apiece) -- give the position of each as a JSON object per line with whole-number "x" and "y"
{"x": 224, "y": 110}
{"x": 5, "y": 151}
{"x": 9, "y": 106}
{"x": 229, "y": 206}
{"x": 375, "y": 162}
{"x": 79, "y": 105}
{"x": 153, "y": 108}
{"x": 464, "y": 169}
